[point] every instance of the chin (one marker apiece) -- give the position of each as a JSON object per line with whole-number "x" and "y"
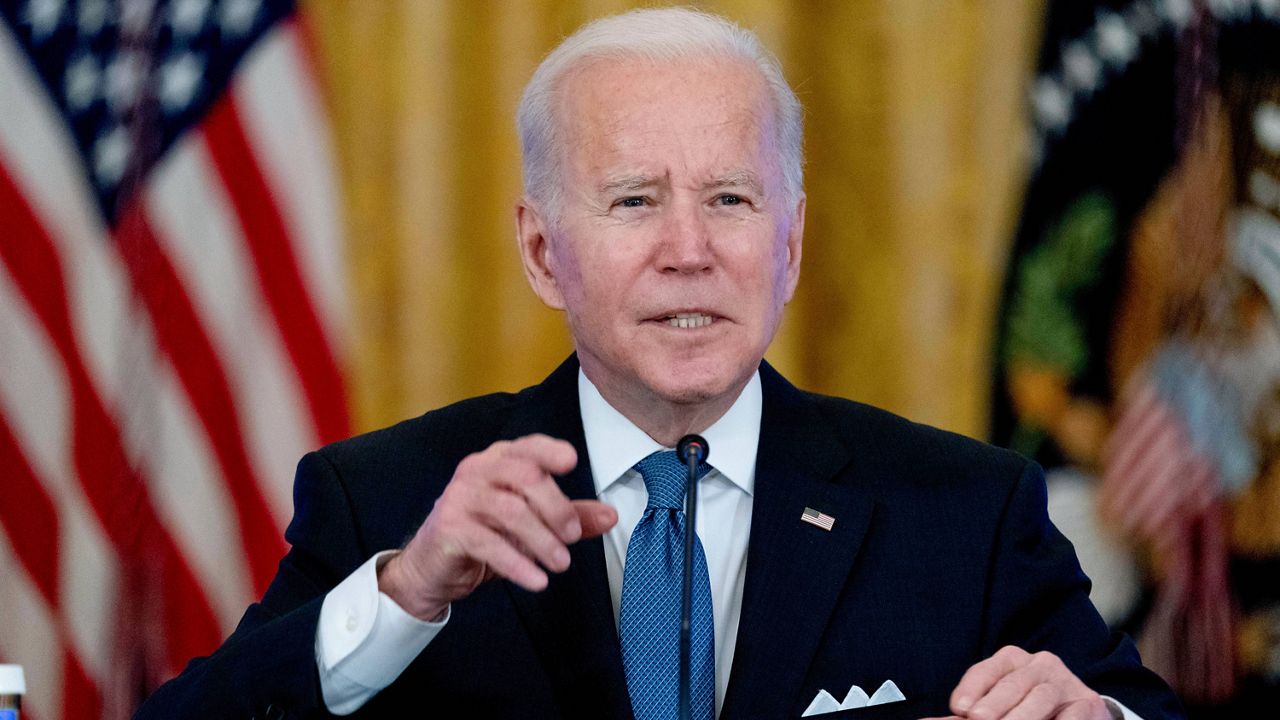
{"x": 688, "y": 395}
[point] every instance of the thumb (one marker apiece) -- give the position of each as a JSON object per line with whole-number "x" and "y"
{"x": 595, "y": 516}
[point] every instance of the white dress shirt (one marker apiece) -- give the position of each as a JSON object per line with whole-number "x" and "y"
{"x": 364, "y": 640}
{"x": 724, "y": 501}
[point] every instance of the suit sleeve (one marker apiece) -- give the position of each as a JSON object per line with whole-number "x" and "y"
{"x": 1040, "y": 601}
{"x": 267, "y": 668}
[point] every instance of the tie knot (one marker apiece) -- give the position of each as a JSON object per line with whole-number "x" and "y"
{"x": 664, "y": 477}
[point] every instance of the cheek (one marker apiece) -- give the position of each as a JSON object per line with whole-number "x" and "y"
{"x": 590, "y": 291}
{"x": 584, "y": 282}
{"x": 606, "y": 266}
{"x": 567, "y": 271}
{"x": 762, "y": 266}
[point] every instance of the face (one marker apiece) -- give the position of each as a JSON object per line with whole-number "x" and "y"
{"x": 675, "y": 248}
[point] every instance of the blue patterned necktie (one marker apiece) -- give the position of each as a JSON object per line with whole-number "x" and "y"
{"x": 649, "y": 622}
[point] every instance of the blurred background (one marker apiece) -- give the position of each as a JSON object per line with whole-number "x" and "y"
{"x": 234, "y": 230}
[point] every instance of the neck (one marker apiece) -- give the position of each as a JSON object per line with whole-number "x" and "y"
{"x": 665, "y": 420}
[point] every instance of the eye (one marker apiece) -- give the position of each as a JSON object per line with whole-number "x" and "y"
{"x": 632, "y": 202}
{"x": 730, "y": 199}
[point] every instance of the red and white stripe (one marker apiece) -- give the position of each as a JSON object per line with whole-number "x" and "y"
{"x": 1154, "y": 478}
{"x": 159, "y": 379}
{"x": 1161, "y": 489}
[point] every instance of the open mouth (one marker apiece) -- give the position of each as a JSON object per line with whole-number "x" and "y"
{"x": 688, "y": 320}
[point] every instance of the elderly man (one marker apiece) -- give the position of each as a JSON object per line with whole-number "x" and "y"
{"x": 838, "y": 545}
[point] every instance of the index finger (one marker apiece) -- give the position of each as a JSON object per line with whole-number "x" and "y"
{"x": 979, "y": 679}
{"x": 551, "y": 454}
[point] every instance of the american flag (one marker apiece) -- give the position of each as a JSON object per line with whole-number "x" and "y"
{"x": 171, "y": 320}
{"x": 1160, "y": 486}
{"x": 820, "y": 519}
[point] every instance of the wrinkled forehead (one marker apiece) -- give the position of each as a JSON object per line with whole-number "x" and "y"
{"x": 610, "y": 80}
{"x": 618, "y": 103}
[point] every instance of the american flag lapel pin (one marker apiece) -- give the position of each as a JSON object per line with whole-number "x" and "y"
{"x": 814, "y": 517}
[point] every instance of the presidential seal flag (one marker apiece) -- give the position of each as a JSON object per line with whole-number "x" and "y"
{"x": 171, "y": 330}
{"x": 1139, "y": 340}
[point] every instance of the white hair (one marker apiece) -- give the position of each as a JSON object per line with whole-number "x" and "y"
{"x": 656, "y": 35}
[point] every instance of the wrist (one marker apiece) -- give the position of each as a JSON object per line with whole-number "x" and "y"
{"x": 394, "y": 583}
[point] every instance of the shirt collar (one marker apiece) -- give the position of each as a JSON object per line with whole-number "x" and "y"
{"x": 615, "y": 444}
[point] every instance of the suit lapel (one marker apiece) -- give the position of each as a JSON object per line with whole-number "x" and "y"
{"x": 795, "y": 571}
{"x": 571, "y": 623}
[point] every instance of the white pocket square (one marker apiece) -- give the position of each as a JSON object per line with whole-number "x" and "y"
{"x": 855, "y": 698}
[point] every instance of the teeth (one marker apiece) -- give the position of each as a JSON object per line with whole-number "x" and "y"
{"x": 689, "y": 320}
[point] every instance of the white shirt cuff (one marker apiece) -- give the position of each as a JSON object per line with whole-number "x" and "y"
{"x": 364, "y": 640}
{"x": 1118, "y": 710}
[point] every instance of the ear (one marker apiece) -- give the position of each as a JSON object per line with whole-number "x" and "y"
{"x": 534, "y": 239}
{"x": 795, "y": 241}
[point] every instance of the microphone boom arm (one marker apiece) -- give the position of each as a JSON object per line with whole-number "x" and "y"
{"x": 691, "y": 450}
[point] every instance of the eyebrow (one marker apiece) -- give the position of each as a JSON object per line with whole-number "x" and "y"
{"x": 628, "y": 182}
{"x": 741, "y": 178}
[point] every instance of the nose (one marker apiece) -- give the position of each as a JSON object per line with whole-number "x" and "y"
{"x": 686, "y": 242}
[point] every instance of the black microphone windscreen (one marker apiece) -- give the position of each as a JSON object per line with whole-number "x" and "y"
{"x": 695, "y": 444}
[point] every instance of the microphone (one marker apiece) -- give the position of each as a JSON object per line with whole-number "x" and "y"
{"x": 695, "y": 444}
{"x": 691, "y": 450}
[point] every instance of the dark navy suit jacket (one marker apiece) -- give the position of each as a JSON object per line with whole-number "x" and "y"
{"x": 940, "y": 554}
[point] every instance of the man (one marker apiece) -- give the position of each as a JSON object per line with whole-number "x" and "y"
{"x": 664, "y": 215}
